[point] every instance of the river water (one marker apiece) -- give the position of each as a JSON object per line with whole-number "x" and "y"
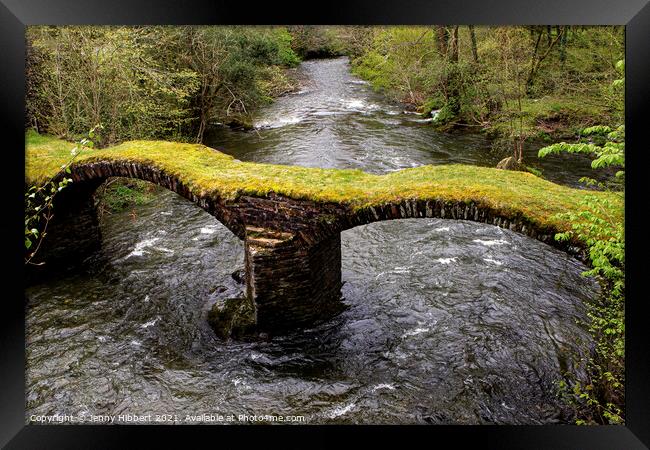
{"x": 447, "y": 321}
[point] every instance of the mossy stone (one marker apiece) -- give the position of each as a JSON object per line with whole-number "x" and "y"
{"x": 232, "y": 317}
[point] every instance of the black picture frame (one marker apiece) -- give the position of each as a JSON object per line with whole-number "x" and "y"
{"x": 16, "y": 14}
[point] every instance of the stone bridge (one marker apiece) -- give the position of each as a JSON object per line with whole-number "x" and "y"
{"x": 290, "y": 218}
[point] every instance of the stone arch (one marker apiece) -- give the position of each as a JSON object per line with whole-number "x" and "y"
{"x": 285, "y": 249}
{"x": 460, "y": 210}
{"x": 308, "y": 222}
{"x": 74, "y": 233}
{"x": 89, "y": 175}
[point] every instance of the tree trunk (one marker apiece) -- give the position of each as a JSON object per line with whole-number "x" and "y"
{"x": 472, "y": 36}
{"x": 563, "y": 41}
{"x": 454, "y": 46}
{"x": 453, "y": 77}
{"x": 536, "y": 60}
{"x": 533, "y": 61}
{"x": 443, "y": 40}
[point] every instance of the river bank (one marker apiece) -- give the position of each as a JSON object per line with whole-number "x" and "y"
{"x": 548, "y": 118}
{"x": 507, "y": 82}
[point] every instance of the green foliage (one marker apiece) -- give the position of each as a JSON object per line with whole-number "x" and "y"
{"x": 286, "y": 56}
{"x": 39, "y": 200}
{"x": 606, "y": 144}
{"x": 432, "y": 104}
{"x": 151, "y": 82}
{"x": 157, "y": 82}
{"x": 119, "y": 194}
{"x": 373, "y": 68}
{"x": 310, "y": 41}
{"x": 111, "y": 75}
{"x": 601, "y": 399}
{"x": 569, "y": 148}
{"x": 236, "y": 69}
{"x": 354, "y": 40}
{"x": 445, "y": 115}
{"x": 399, "y": 61}
{"x": 596, "y": 130}
{"x": 521, "y": 81}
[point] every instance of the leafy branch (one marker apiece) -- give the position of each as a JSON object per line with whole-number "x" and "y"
{"x": 39, "y": 201}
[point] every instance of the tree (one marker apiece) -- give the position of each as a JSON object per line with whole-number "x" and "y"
{"x": 150, "y": 81}
{"x": 110, "y": 75}
{"x": 601, "y": 399}
{"x": 230, "y": 62}
{"x": 472, "y": 36}
{"x": 605, "y": 143}
{"x": 539, "y": 54}
{"x": 508, "y": 77}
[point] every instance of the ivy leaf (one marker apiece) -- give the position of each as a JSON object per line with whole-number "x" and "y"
{"x": 620, "y": 66}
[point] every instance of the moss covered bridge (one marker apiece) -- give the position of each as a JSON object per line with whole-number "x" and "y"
{"x": 290, "y": 218}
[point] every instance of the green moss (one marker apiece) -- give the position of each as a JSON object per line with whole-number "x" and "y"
{"x": 209, "y": 172}
{"x": 534, "y": 171}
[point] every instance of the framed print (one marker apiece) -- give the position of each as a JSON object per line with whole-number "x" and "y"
{"x": 352, "y": 220}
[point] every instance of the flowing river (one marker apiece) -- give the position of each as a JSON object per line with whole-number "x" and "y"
{"x": 447, "y": 321}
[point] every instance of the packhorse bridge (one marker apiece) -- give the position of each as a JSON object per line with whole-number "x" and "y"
{"x": 291, "y": 218}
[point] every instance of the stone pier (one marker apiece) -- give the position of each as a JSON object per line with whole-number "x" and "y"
{"x": 290, "y": 282}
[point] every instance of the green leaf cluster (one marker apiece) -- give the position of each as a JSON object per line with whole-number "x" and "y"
{"x": 39, "y": 200}
{"x": 601, "y": 399}
{"x": 607, "y": 145}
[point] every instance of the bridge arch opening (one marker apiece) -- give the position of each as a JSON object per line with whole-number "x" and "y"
{"x": 75, "y": 231}
{"x": 168, "y": 217}
{"x": 463, "y": 272}
{"x": 155, "y": 248}
{"x": 463, "y": 211}
{"x": 445, "y": 244}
